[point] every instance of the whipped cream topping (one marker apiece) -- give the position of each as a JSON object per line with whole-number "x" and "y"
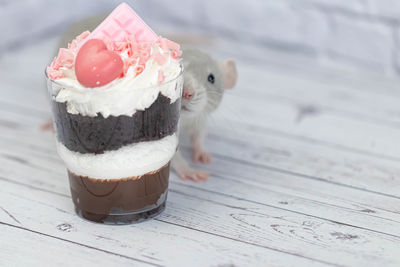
{"x": 128, "y": 161}
{"x": 123, "y": 96}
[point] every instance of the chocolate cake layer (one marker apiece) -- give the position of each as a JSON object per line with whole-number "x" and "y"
{"x": 96, "y": 199}
{"x": 86, "y": 134}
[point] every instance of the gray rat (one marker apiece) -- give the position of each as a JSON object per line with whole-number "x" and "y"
{"x": 205, "y": 81}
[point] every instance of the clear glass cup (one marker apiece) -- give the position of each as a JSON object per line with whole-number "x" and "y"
{"x": 91, "y": 140}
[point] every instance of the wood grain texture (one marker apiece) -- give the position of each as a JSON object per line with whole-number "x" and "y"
{"x": 150, "y": 242}
{"x": 38, "y": 249}
{"x": 256, "y": 204}
{"x": 304, "y": 173}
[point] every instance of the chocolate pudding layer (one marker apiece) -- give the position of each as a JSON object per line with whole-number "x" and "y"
{"x": 97, "y": 134}
{"x": 120, "y": 200}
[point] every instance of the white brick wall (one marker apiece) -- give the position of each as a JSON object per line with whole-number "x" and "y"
{"x": 364, "y": 42}
{"x": 25, "y": 19}
{"x": 272, "y": 22}
{"x": 336, "y": 5}
{"x": 386, "y": 9}
{"x": 364, "y": 34}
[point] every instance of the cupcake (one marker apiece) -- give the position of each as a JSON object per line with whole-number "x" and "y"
{"x": 115, "y": 95}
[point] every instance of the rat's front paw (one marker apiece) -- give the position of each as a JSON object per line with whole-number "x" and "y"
{"x": 193, "y": 175}
{"x": 201, "y": 156}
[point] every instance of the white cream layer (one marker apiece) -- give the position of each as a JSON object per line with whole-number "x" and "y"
{"x": 130, "y": 160}
{"x": 123, "y": 96}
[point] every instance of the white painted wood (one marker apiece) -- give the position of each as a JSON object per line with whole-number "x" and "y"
{"x": 278, "y": 184}
{"x": 36, "y": 249}
{"x": 252, "y": 223}
{"x": 258, "y": 194}
{"x": 323, "y": 126}
{"x": 368, "y": 102}
{"x": 155, "y": 241}
{"x": 294, "y": 154}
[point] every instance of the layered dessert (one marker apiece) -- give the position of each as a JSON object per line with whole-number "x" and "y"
{"x": 115, "y": 97}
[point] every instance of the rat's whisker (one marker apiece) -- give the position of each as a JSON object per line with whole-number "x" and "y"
{"x": 215, "y": 93}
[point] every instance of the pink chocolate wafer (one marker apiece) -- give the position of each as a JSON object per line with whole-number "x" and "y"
{"x": 122, "y": 22}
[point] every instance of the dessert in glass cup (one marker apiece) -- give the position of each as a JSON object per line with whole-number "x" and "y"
{"x": 115, "y": 97}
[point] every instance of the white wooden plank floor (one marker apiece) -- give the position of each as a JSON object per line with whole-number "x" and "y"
{"x": 305, "y": 172}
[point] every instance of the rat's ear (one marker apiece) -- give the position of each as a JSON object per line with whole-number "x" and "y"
{"x": 229, "y": 73}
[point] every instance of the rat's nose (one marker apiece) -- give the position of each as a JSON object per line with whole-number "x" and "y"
{"x": 188, "y": 92}
{"x": 187, "y": 95}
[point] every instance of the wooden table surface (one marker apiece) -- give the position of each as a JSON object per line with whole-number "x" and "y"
{"x": 305, "y": 172}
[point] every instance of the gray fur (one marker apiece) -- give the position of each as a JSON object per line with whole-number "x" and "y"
{"x": 206, "y": 98}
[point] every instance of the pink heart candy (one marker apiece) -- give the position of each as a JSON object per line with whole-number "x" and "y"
{"x": 96, "y": 66}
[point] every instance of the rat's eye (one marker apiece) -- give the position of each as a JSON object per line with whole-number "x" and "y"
{"x": 211, "y": 78}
